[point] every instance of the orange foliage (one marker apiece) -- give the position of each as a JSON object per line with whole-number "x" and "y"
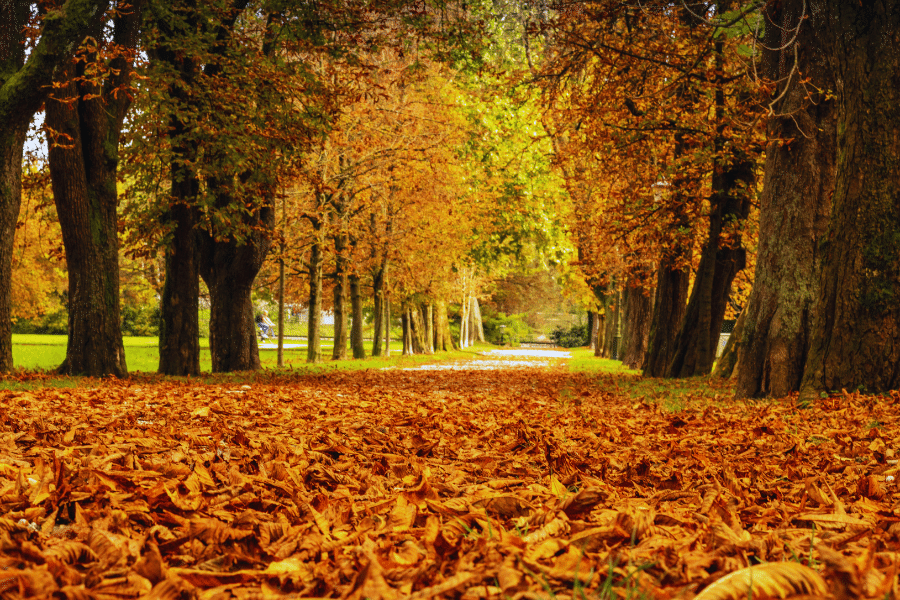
{"x": 421, "y": 484}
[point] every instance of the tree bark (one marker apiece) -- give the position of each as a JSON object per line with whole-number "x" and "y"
{"x": 86, "y": 120}
{"x": 379, "y": 309}
{"x": 417, "y": 329}
{"x": 855, "y": 340}
{"x": 669, "y": 305}
{"x": 795, "y": 203}
{"x": 428, "y": 320}
{"x": 636, "y": 336}
{"x": 340, "y": 314}
{"x": 314, "y": 330}
{"x": 443, "y": 341}
{"x": 356, "y": 326}
{"x": 179, "y": 326}
{"x": 23, "y": 87}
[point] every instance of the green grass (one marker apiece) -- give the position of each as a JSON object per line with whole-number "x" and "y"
{"x": 672, "y": 394}
{"x": 46, "y": 352}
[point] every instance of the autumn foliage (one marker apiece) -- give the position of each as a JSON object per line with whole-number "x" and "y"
{"x": 498, "y": 480}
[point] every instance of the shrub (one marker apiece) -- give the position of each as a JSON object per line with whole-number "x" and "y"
{"x": 140, "y": 320}
{"x": 52, "y": 323}
{"x": 573, "y": 337}
{"x": 502, "y": 329}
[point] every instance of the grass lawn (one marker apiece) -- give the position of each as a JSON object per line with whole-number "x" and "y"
{"x": 142, "y": 354}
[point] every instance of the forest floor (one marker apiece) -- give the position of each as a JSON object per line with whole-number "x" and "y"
{"x": 521, "y": 480}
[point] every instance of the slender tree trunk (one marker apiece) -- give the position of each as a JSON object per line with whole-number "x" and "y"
{"x": 340, "y": 318}
{"x": 86, "y": 119}
{"x": 379, "y": 310}
{"x": 387, "y": 327}
{"x": 428, "y": 320}
{"x": 406, "y": 328}
{"x": 443, "y": 341}
{"x": 855, "y": 339}
{"x": 356, "y": 326}
{"x": 795, "y": 204}
{"x": 314, "y": 331}
{"x": 477, "y": 325}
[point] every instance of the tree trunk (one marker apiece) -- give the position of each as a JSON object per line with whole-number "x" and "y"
{"x": 477, "y": 325}
{"x": 356, "y": 325}
{"x": 179, "y": 326}
{"x": 405, "y": 332}
{"x": 428, "y": 320}
{"x": 340, "y": 318}
{"x": 855, "y": 339}
{"x": 638, "y": 313}
{"x": 726, "y": 364}
{"x": 443, "y": 341}
{"x": 417, "y": 329}
{"x": 314, "y": 330}
{"x": 86, "y": 120}
{"x": 387, "y": 327}
{"x": 23, "y": 87}
{"x": 795, "y": 203}
{"x": 613, "y": 302}
{"x": 229, "y": 268}
{"x": 669, "y": 305}
{"x": 12, "y": 141}
{"x": 379, "y": 324}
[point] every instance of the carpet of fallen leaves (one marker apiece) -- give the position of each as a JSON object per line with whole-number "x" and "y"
{"x": 507, "y": 483}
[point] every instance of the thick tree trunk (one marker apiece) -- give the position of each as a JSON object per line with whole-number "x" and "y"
{"x": 855, "y": 340}
{"x": 477, "y": 328}
{"x": 417, "y": 329}
{"x": 636, "y": 336}
{"x": 23, "y": 87}
{"x": 86, "y": 120}
{"x": 356, "y": 325}
{"x": 229, "y": 269}
{"x": 179, "y": 329}
{"x": 443, "y": 341}
{"x": 179, "y": 326}
{"x": 379, "y": 309}
{"x": 795, "y": 204}
{"x": 669, "y": 305}
{"x": 314, "y": 329}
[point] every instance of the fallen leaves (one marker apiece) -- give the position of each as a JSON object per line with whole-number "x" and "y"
{"x": 518, "y": 483}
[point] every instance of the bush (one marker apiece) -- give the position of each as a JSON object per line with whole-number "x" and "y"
{"x": 573, "y": 337}
{"x": 502, "y": 329}
{"x": 52, "y": 323}
{"x": 140, "y": 320}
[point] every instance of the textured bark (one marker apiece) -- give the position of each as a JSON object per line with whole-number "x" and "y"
{"x": 795, "y": 203}
{"x": 417, "y": 329}
{"x": 611, "y": 330}
{"x": 23, "y": 87}
{"x": 179, "y": 326}
{"x": 379, "y": 308}
{"x": 855, "y": 340}
{"x": 356, "y": 323}
{"x": 669, "y": 305}
{"x": 428, "y": 321}
{"x": 636, "y": 334}
{"x": 86, "y": 120}
{"x": 179, "y": 331}
{"x": 340, "y": 312}
{"x": 314, "y": 328}
{"x": 443, "y": 341}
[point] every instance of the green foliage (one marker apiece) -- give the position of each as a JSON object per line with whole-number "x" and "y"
{"x": 52, "y": 323}
{"x": 501, "y": 329}
{"x": 573, "y": 337}
{"x": 140, "y": 320}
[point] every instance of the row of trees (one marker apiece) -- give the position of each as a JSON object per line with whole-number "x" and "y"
{"x": 334, "y": 140}
{"x": 658, "y": 111}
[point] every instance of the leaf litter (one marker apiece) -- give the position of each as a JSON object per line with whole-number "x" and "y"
{"x": 470, "y": 483}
